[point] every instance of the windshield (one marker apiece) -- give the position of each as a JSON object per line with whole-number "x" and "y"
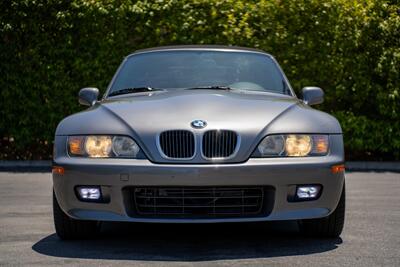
{"x": 174, "y": 70}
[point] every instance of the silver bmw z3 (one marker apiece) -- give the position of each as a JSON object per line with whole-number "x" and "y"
{"x": 199, "y": 134}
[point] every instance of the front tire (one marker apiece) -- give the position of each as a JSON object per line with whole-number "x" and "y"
{"x": 328, "y": 227}
{"x": 68, "y": 228}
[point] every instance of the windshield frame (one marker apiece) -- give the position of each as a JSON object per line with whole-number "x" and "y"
{"x": 282, "y": 73}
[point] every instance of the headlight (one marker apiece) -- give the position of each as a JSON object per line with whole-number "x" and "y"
{"x": 293, "y": 145}
{"x": 98, "y": 146}
{"x": 125, "y": 147}
{"x": 272, "y": 145}
{"x": 298, "y": 145}
{"x": 103, "y": 146}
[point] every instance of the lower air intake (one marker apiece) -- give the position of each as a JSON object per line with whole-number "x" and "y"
{"x": 201, "y": 202}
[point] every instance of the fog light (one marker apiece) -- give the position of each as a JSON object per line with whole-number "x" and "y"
{"x": 89, "y": 193}
{"x": 308, "y": 192}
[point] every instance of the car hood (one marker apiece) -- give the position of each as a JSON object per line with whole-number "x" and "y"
{"x": 251, "y": 114}
{"x": 220, "y": 109}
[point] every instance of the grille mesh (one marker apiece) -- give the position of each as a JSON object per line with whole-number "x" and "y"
{"x": 177, "y": 144}
{"x": 219, "y": 143}
{"x": 203, "y": 202}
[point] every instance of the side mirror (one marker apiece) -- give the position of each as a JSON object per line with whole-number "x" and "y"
{"x": 88, "y": 96}
{"x": 313, "y": 95}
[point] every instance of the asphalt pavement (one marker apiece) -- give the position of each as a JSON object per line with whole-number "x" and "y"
{"x": 371, "y": 236}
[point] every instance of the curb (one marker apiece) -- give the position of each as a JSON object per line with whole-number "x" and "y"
{"x": 25, "y": 165}
{"x": 392, "y": 166}
{"x": 45, "y": 166}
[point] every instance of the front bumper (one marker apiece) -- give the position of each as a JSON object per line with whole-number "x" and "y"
{"x": 116, "y": 174}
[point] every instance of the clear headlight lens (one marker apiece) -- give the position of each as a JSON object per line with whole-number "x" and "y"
{"x": 125, "y": 147}
{"x": 272, "y": 145}
{"x": 103, "y": 146}
{"x": 293, "y": 145}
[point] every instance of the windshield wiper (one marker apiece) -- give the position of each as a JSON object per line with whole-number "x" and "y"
{"x": 134, "y": 90}
{"x": 211, "y": 87}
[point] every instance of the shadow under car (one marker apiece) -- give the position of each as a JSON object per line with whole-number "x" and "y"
{"x": 188, "y": 242}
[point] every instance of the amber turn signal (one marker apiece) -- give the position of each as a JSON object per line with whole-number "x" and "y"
{"x": 321, "y": 144}
{"x": 75, "y": 144}
{"x": 58, "y": 170}
{"x": 337, "y": 168}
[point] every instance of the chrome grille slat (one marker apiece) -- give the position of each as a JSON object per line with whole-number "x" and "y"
{"x": 219, "y": 143}
{"x": 188, "y": 202}
{"x": 177, "y": 144}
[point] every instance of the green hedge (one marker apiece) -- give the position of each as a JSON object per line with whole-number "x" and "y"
{"x": 49, "y": 49}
